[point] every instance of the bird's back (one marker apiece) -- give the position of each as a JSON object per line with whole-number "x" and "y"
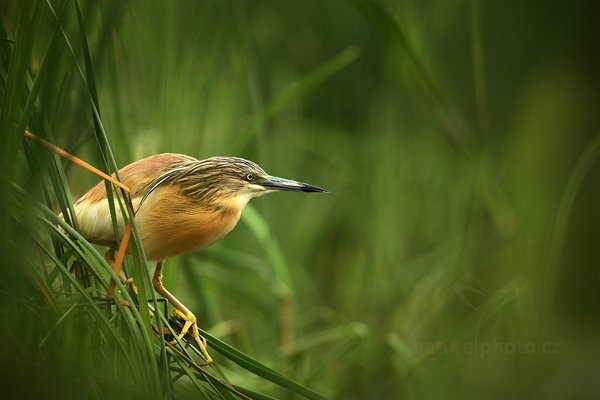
{"x": 92, "y": 209}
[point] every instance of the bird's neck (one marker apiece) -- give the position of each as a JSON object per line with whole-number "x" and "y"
{"x": 233, "y": 204}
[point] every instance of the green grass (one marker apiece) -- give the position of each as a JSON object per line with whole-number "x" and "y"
{"x": 454, "y": 257}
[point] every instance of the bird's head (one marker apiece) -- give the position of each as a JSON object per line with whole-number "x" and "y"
{"x": 218, "y": 177}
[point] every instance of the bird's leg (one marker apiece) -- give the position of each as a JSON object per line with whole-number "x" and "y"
{"x": 110, "y": 259}
{"x": 182, "y": 311}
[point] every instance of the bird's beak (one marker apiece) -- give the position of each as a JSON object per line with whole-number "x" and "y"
{"x": 275, "y": 183}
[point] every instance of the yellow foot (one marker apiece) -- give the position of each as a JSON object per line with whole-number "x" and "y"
{"x": 190, "y": 322}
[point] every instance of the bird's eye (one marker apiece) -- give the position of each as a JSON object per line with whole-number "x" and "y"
{"x": 250, "y": 177}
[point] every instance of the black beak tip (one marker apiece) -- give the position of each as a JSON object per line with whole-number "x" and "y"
{"x": 312, "y": 189}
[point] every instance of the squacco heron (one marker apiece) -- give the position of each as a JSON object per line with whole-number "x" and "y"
{"x": 181, "y": 204}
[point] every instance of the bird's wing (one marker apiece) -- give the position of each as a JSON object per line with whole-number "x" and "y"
{"x": 92, "y": 209}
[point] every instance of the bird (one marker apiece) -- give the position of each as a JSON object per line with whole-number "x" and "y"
{"x": 181, "y": 204}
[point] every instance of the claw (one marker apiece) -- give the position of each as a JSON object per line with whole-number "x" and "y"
{"x": 129, "y": 282}
{"x": 190, "y": 322}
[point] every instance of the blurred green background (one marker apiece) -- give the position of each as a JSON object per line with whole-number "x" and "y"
{"x": 457, "y": 253}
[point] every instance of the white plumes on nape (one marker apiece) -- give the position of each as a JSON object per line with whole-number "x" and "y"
{"x": 169, "y": 176}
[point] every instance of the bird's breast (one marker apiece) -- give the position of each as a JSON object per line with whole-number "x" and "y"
{"x": 170, "y": 223}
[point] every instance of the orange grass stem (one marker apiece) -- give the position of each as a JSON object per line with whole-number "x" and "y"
{"x": 120, "y": 258}
{"x": 74, "y": 159}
